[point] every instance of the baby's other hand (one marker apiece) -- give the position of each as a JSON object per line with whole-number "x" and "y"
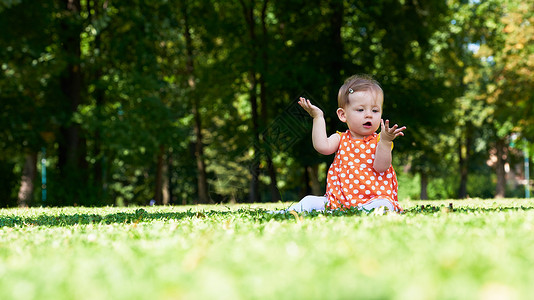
{"x": 313, "y": 110}
{"x": 390, "y": 133}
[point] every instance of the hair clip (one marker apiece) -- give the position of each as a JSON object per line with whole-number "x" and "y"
{"x": 351, "y": 91}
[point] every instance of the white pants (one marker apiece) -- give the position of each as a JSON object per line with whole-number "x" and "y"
{"x": 318, "y": 203}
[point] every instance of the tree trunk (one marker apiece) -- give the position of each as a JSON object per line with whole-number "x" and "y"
{"x": 254, "y": 194}
{"x": 159, "y": 177}
{"x": 306, "y": 184}
{"x": 165, "y": 190}
{"x": 313, "y": 175}
{"x": 71, "y": 154}
{"x": 27, "y": 180}
{"x": 273, "y": 186}
{"x": 462, "y": 190}
{"x": 248, "y": 12}
{"x": 501, "y": 174}
{"x": 170, "y": 185}
{"x": 202, "y": 181}
{"x": 464, "y": 149}
{"x": 424, "y": 186}
{"x": 275, "y": 192}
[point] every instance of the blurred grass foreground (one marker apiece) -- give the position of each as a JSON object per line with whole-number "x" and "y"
{"x": 470, "y": 249}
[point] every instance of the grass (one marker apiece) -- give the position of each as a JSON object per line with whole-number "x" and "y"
{"x": 481, "y": 249}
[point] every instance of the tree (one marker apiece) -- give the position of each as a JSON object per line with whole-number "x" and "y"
{"x": 194, "y": 101}
{"x": 26, "y": 81}
{"x": 501, "y": 77}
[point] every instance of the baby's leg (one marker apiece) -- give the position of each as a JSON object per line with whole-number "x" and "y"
{"x": 309, "y": 204}
{"x": 377, "y": 203}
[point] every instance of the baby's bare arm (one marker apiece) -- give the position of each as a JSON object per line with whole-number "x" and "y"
{"x": 321, "y": 142}
{"x": 383, "y": 149}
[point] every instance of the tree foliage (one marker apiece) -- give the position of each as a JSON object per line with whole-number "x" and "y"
{"x": 194, "y": 101}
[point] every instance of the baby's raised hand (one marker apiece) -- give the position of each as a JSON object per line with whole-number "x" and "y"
{"x": 313, "y": 110}
{"x": 390, "y": 133}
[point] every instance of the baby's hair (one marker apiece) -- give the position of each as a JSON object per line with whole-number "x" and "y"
{"x": 356, "y": 83}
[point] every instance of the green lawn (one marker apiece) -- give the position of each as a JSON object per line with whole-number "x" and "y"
{"x": 482, "y": 249}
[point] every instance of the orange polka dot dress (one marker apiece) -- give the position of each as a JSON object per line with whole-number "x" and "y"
{"x": 352, "y": 180}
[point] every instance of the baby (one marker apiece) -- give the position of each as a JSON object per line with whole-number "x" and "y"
{"x": 361, "y": 175}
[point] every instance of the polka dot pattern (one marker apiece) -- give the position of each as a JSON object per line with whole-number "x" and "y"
{"x": 352, "y": 180}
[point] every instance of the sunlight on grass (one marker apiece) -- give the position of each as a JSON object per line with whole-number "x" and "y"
{"x": 479, "y": 249}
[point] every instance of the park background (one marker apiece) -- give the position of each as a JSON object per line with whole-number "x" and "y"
{"x": 186, "y": 102}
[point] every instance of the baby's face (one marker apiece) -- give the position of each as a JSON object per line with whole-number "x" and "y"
{"x": 363, "y": 113}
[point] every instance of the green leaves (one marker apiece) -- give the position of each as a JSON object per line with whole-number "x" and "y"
{"x": 137, "y": 86}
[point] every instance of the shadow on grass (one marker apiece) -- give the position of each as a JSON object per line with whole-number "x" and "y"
{"x": 257, "y": 215}
{"x": 140, "y": 215}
